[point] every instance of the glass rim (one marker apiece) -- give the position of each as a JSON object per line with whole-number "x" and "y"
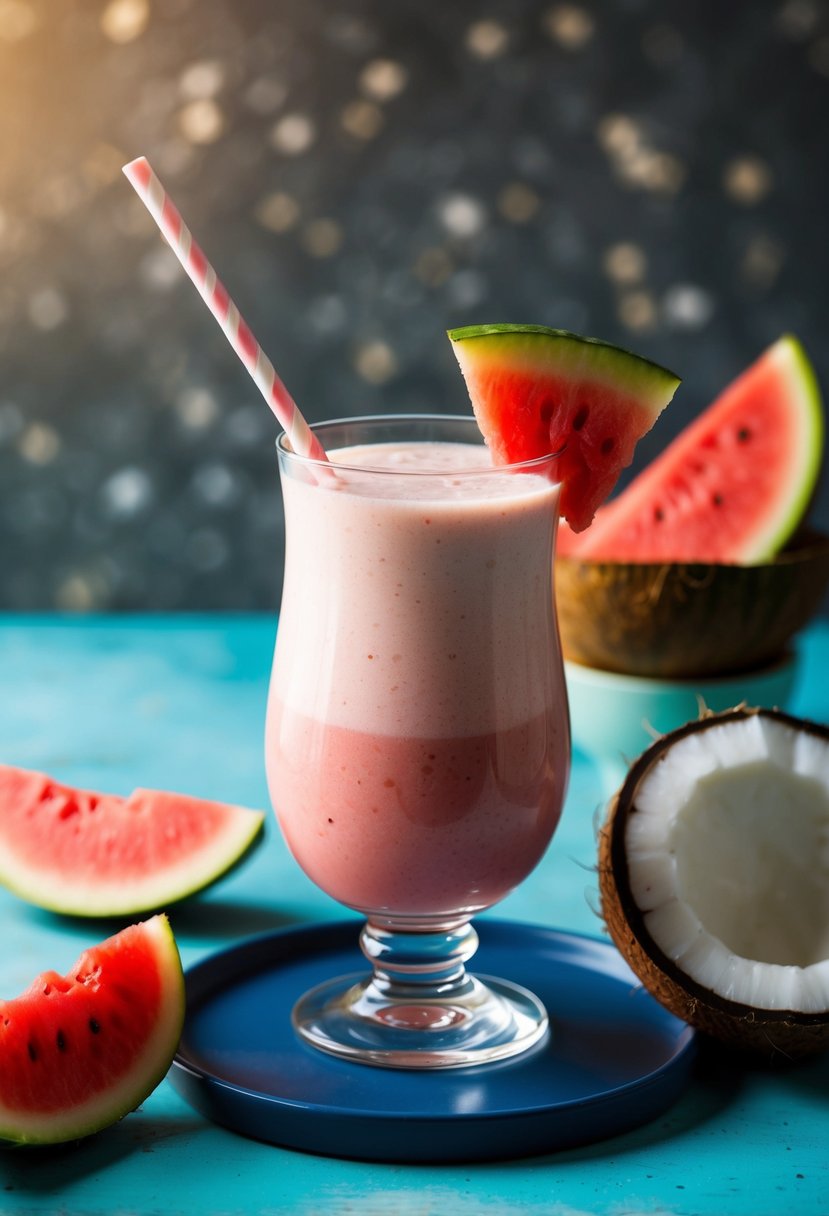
{"x": 284, "y": 449}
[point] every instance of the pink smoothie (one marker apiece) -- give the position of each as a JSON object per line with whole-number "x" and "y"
{"x": 417, "y": 740}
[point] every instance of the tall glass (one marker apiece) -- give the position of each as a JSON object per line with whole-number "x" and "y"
{"x": 417, "y": 738}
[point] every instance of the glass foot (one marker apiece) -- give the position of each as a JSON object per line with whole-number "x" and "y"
{"x": 420, "y": 1008}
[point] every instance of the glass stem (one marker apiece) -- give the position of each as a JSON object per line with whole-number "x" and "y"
{"x": 420, "y": 1007}
{"x": 428, "y": 963}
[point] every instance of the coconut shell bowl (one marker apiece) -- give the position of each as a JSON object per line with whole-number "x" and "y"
{"x": 648, "y": 647}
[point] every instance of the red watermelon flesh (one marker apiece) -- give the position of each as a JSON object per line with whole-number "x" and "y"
{"x": 89, "y": 854}
{"x": 536, "y": 390}
{"x": 81, "y": 1050}
{"x": 733, "y": 486}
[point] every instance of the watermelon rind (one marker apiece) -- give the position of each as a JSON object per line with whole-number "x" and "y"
{"x": 73, "y": 884}
{"x": 575, "y": 352}
{"x": 537, "y": 391}
{"x": 125, "y": 1092}
{"x": 807, "y": 398}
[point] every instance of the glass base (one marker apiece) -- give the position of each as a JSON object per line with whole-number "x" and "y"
{"x": 416, "y": 1013}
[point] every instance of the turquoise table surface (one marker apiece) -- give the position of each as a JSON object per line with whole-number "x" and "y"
{"x": 178, "y": 702}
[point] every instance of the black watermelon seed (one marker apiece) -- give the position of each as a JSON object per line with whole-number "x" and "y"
{"x": 94, "y": 1026}
{"x": 581, "y": 417}
{"x": 32, "y": 1051}
{"x": 60, "y": 1039}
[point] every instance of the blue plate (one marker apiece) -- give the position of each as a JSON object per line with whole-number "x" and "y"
{"x": 615, "y": 1058}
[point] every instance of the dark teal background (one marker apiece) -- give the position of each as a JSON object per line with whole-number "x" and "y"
{"x": 365, "y": 174}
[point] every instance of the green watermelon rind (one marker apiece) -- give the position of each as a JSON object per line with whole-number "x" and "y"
{"x": 54, "y": 891}
{"x": 812, "y": 440}
{"x": 602, "y": 360}
{"x": 26, "y": 1128}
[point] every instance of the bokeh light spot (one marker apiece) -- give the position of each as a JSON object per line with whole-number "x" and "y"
{"x": 48, "y": 308}
{"x": 17, "y": 20}
{"x": 124, "y": 20}
{"x": 293, "y": 134}
{"x": 127, "y": 493}
{"x": 637, "y": 311}
{"x": 322, "y": 237}
{"x": 747, "y": 180}
{"x": 461, "y": 215}
{"x": 265, "y": 95}
{"x": 362, "y": 119}
{"x": 328, "y": 315}
{"x": 618, "y": 134}
{"x": 202, "y": 121}
{"x": 657, "y": 171}
{"x": 278, "y": 212}
{"x": 375, "y": 362}
{"x": 688, "y": 306}
{"x": 518, "y": 202}
{"x": 635, "y": 162}
{"x": 625, "y": 263}
{"x": 39, "y": 443}
{"x": 487, "y": 39}
{"x": 159, "y": 269}
{"x": 383, "y": 79}
{"x": 216, "y": 485}
{"x": 76, "y": 594}
{"x": 204, "y": 78}
{"x": 197, "y": 407}
{"x": 570, "y": 25}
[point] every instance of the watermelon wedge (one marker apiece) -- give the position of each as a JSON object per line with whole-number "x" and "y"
{"x": 536, "y": 391}
{"x": 735, "y": 484}
{"x": 88, "y": 854}
{"x": 80, "y": 1051}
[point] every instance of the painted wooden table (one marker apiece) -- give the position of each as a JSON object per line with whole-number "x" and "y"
{"x": 179, "y": 703}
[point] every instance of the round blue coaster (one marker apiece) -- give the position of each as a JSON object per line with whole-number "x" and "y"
{"x": 615, "y": 1058}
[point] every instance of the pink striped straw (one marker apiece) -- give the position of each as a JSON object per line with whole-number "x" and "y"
{"x": 174, "y": 230}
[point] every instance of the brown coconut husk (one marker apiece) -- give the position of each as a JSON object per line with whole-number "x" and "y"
{"x": 674, "y": 620}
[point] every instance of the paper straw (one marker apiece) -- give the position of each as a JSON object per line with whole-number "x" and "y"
{"x": 174, "y": 230}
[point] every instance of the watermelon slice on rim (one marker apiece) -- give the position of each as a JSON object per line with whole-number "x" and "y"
{"x": 80, "y": 1051}
{"x": 536, "y": 390}
{"x": 733, "y": 486}
{"x": 89, "y": 854}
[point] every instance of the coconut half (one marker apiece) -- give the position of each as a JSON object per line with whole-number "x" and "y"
{"x": 714, "y": 877}
{"x": 675, "y": 620}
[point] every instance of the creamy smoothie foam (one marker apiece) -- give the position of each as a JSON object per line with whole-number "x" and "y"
{"x": 417, "y": 738}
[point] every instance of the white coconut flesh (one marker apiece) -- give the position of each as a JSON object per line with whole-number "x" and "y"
{"x": 727, "y": 850}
